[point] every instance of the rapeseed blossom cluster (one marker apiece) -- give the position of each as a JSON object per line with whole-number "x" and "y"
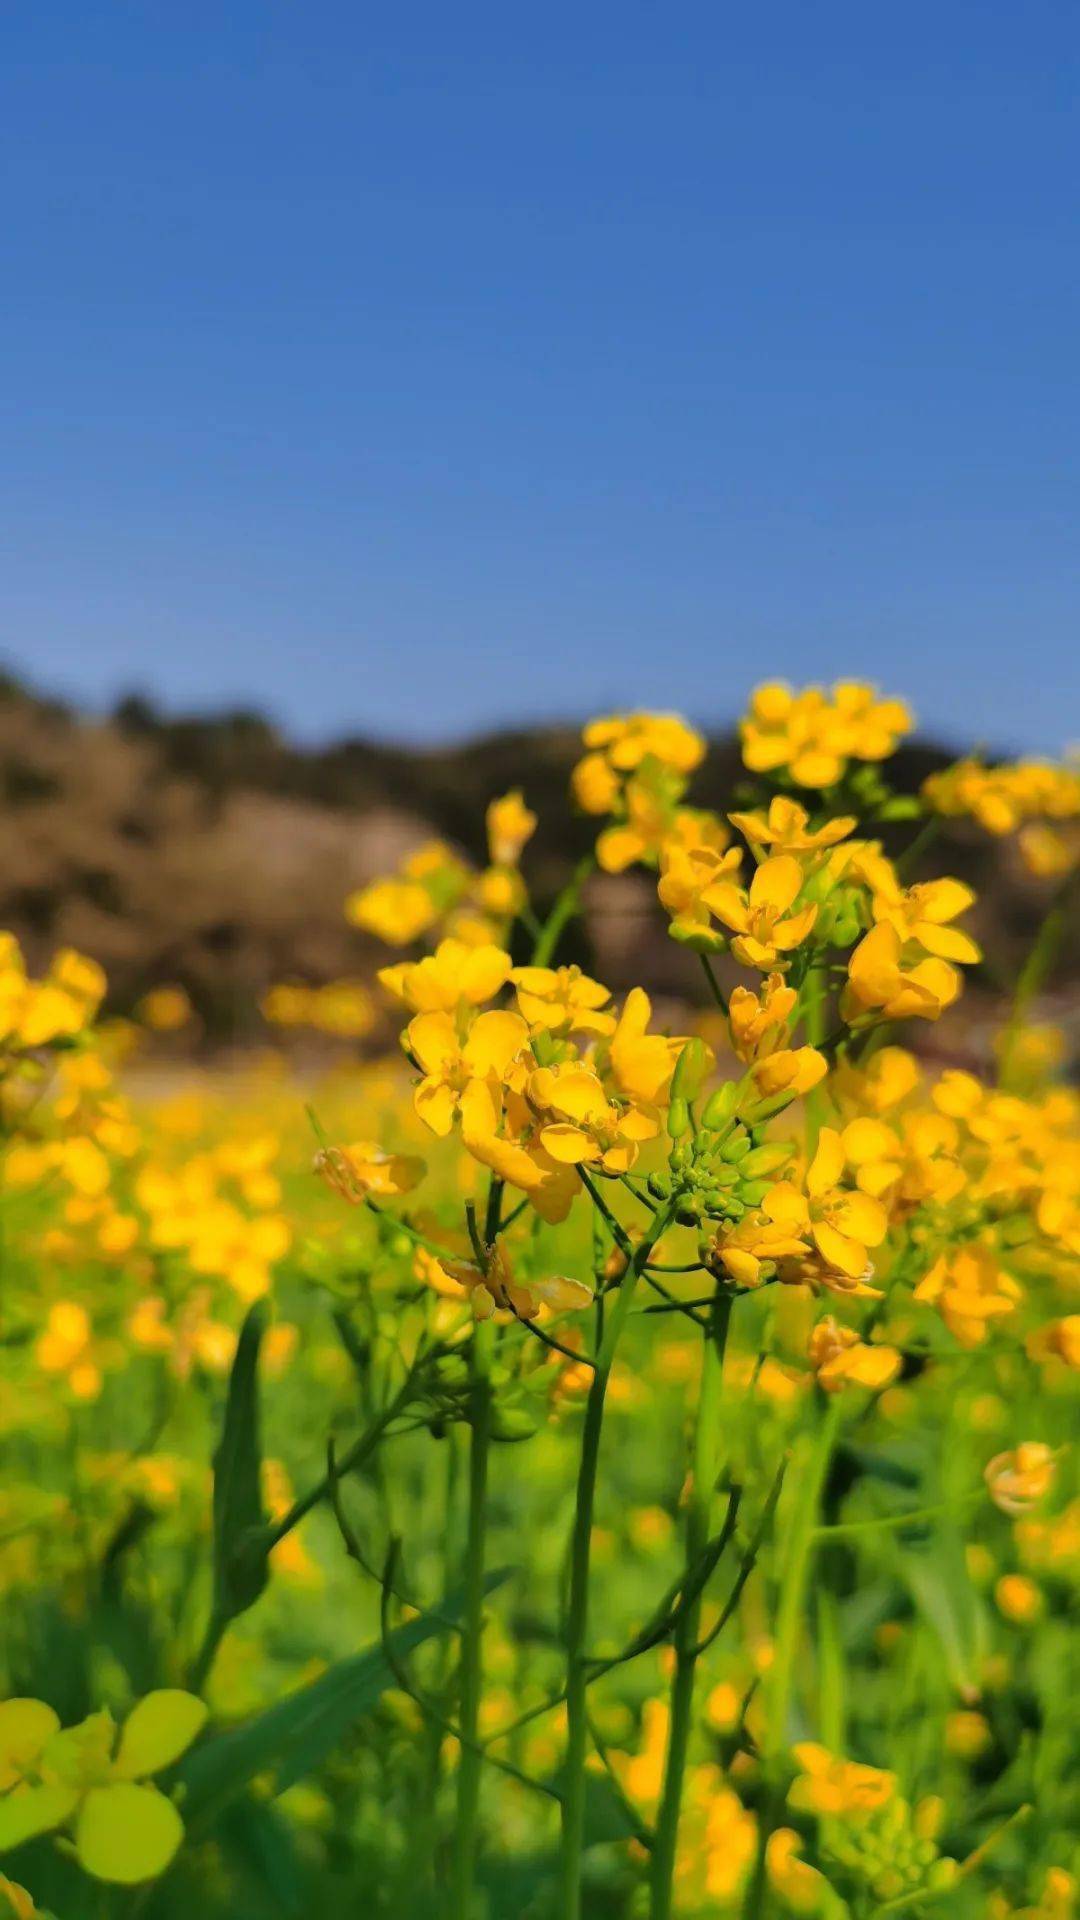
{"x": 675, "y": 1308}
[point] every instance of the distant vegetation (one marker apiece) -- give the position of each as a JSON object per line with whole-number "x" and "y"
{"x": 215, "y": 852}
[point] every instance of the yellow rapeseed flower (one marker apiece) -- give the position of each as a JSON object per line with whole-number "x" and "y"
{"x": 840, "y": 1359}
{"x": 85, "y": 1777}
{"x": 813, "y": 736}
{"x": 455, "y": 975}
{"x": 1019, "y": 1479}
{"x": 463, "y": 1077}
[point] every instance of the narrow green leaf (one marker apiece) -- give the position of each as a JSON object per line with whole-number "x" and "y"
{"x": 241, "y": 1565}
{"x": 941, "y": 1588}
{"x": 293, "y": 1737}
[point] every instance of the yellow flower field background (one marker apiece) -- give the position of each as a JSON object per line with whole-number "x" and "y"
{"x": 547, "y": 1451}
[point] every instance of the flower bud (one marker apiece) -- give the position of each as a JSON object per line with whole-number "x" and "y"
{"x": 720, "y": 1106}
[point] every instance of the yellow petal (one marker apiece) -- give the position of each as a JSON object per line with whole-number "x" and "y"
{"x": 434, "y": 1103}
{"x": 776, "y": 883}
{"x": 786, "y": 1206}
{"x": 866, "y": 1139}
{"x": 561, "y": 1294}
{"x": 728, "y": 903}
{"x": 484, "y": 971}
{"x": 873, "y": 1367}
{"x": 816, "y": 769}
{"x": 742, "y": 1266}
{"x": 874, "y": 966}
{"x": 618, "y": 847}
{"x": 864, "y": 1218}
{"x": 481, "y": 1110}
{"x": 126, "y": 1833}
{"x": 566, "y": 1144}
{"x": 493, "y": 1042}
{"x": 848, "y": 1256}
{"x": 25, "y": 1725}
{"x": 828, "y": 1163}
{"x": 30, "y": 1811}
{"x": 157, "y": 1731}
{"x": 941, "y": 900}
{"x": 948, "y": 943}
{"x": 578, "y": 1093}
{"x": 792, "y": 932}
{"x": 432, "y": 1040}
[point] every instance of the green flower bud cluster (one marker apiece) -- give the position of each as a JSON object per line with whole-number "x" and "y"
{"x": 842, "y": 917}
{"x": 518, "y": 1401}
{"x": 718, "y": 1173}
{"x": 888, "y": 1855}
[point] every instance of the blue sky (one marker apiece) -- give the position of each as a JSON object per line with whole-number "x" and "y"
{"x": 414, "y": 369}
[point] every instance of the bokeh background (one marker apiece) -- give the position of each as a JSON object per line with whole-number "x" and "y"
{"x": 386, "y": 390}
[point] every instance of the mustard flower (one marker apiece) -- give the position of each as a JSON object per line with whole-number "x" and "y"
{"x": 125, "y": 1830}
{"x": 580, "y": 1125}
{"x": 395, "y": 911}
{"x": 882, "y": 979}
{"x": 494, "y": 1287}
{"x": 164, "y": 1009}
{"x": 843, "y": 1224}
{"x": 1018, "y": 1599}
{"x": 786, "y": 828}
{"x": 909, "y": 1162}
{"x": 754, "y": 1249}
{"x": 625, "y": 740}
{"x": 365, "y": 1168}
{"x": 463, "y": 1077}
{"x": 512, "y": 1148}
{"x": 692, "y": 889}
{"x": 455, "y": 975}
{"x": 765, "y": 928}
{"x": 510, "y": 826}
{"x": 1058, "y": 1339}
{"x": 840, "y": 1359}
{"x": 837, "y": 1788}
{"x": 969, "y": 1289}
{"x": 1019, "y": 1479}
{"x": 758, "y": 1026}
{"x": 813, "y": 737}
{"x": 562, "y": 1000}
{"x": 642, "y": 1063}
{"x": 800, "y": 1886}
{"x": 921, "y": 916}
{"x": 398, "y": 909}
{"x": 1001, "y": 798}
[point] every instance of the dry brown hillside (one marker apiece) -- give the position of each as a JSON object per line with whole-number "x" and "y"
{"x": 217, "y": 854}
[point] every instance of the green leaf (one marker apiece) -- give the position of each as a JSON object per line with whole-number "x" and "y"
{"x": 293, "y": 1737}
{"x": 241, "y": 1568}
{"x": 941, "y": 1588}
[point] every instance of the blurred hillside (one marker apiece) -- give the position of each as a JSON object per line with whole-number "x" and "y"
{"x": 214, "y": 853}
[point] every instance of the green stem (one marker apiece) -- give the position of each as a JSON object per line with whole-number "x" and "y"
{"x": 207, "y": 1654}
{"x": 1036, "y": 970}
{"x": 564, "y": 909}
{"x": 471, "y": 1760}
{"x": 577, "y": 1620}
{"x": 802, "y": 1540}
{"x": 815, "y": 1008}
{"x": 687, "y": 1632}
{"x": 714, "y": 985}
{"x": 923, "y": 841}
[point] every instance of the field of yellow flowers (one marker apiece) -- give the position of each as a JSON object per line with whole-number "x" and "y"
{"x": 569, "y": 1470}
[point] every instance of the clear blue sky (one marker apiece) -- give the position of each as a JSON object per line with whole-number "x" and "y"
{"x": 414, "y": 368}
